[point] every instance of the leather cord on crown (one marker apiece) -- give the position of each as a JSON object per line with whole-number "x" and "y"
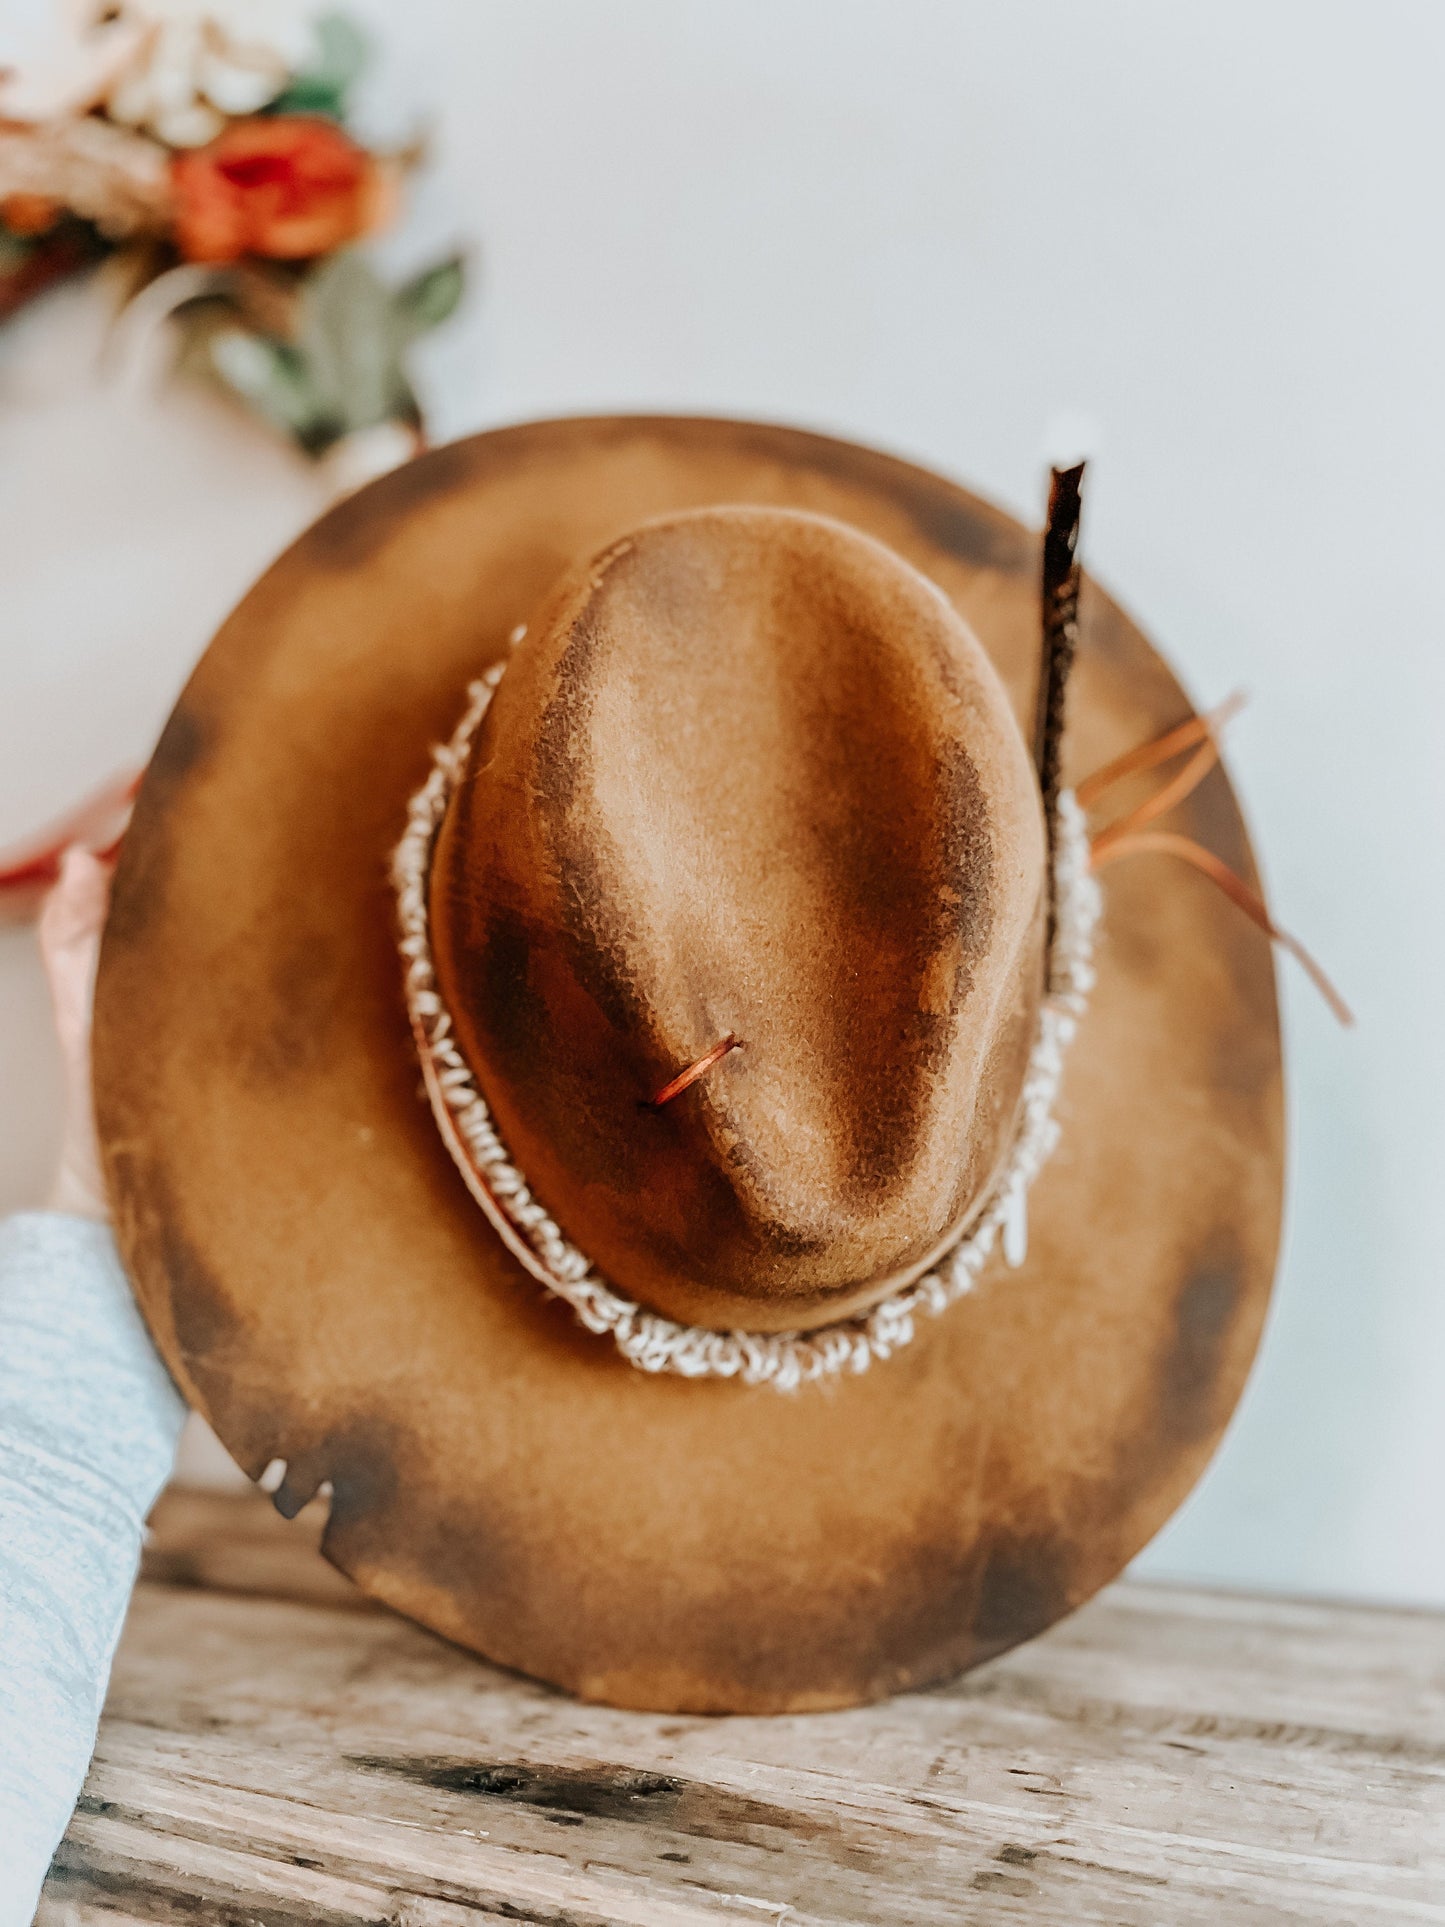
{"x": 1129, "y": 835}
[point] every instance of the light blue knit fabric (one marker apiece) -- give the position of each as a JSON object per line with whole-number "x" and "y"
{"x": 88, "y": 1427}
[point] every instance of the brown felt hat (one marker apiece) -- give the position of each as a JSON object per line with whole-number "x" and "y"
{"x": 607, "y": 1055}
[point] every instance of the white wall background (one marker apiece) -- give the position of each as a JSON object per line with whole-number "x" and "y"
{"x": 962, "y": 229}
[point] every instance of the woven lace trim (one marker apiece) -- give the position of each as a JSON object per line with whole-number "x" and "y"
{"x": 784, "y": 1360}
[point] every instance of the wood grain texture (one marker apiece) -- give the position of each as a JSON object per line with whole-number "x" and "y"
{"x": 279, "y": 1753}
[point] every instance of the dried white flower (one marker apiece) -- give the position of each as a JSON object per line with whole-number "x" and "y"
{"x": 109, "y": 175}
{"x": 61, "y": 56}
{"x": 175, "y": 68}
{"x": 203, "y": 60}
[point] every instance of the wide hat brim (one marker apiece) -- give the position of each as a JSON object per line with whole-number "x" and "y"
{"x": 325, "y": 1290}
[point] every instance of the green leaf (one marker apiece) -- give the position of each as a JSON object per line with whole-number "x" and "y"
{"x": 352, "y": 341}
{"x": 310, "y": 96}
{"x": 341, "y": 367}
{"x": 271, "y": 378}
{"x": 343, "y": 48}
{"x": 427, "y": 300}
{"x": 323, "y": 87}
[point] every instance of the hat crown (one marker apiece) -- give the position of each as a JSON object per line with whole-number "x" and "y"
{"x": 748, "y": 776}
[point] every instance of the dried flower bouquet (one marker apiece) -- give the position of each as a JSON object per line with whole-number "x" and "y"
{"x": 204, "y": 144}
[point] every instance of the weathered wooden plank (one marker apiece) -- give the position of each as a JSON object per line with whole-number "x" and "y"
{"x": 277, "y": 1752}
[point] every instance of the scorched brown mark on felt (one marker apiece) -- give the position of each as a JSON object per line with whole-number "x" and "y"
{"x": 1024, "y": 1587}
{"x": 953, "y": 1604}
{"x": 1190, "y": 1368}
{"x": 359, "y": 1460}
{"x": 362, "y": 523}
{"x": 204, "y": 1313}
{"x": 183, "y": 745}
{"x": 961, "y": 526}
{"x": 1242, "y": 1062}
{"x": 142, "y": 879}
{"x": 599, "y": 937}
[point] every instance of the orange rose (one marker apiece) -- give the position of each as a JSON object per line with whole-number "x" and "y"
{"x": 286, "y": 187}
